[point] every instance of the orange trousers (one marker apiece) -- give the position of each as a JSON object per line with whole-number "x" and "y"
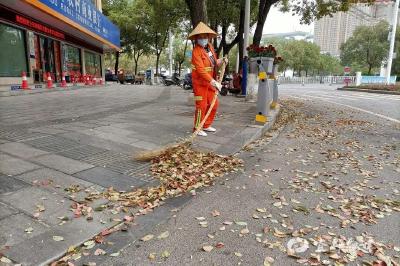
{"x": 203, "y": 96}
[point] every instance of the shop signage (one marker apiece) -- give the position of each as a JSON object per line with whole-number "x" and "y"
{"x": 39, "y": 27}
{"x": 86, "y": 14}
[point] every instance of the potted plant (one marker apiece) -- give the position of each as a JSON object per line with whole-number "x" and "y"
{"x": 266, "y": 54}
{"x": 277, "y": 60}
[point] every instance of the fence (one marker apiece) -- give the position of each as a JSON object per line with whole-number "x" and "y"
{"x": 317, "y": 79}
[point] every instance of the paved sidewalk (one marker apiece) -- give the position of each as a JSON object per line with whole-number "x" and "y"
{"x": 56, "y": 147}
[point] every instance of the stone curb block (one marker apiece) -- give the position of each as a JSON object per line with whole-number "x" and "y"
{"x": 370, "y": 91}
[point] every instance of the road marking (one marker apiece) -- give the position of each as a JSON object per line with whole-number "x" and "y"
{"x": 360, "y": 96}
{"x": 352, "y": 107}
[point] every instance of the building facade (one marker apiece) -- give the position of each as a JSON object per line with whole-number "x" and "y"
{"x": 52, "y": 37}
{"x": 331, "y": 32}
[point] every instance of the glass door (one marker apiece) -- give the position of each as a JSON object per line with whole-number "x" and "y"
{"x": 47, "y": 57}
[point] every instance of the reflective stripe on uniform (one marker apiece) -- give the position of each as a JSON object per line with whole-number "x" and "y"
{"x": 198, "y": 119}
{"x": 204, "y": 69}
{"x": 198, "y": 98}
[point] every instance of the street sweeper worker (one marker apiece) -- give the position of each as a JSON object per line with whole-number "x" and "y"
{"x": 204, "y": 75}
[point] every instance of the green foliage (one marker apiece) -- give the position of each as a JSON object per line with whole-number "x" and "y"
{"x": 300, "y": 55}
{"x": 367, "y": 48}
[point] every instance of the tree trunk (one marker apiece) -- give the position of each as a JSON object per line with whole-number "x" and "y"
{"x": 181, "y": 61}
{"x": 157, "y": 62}
{"x": 263, "y": 10}
{"x": 198, "y": 11}
{"x": 369, "y": 69}
{"x": 116, "y": 63}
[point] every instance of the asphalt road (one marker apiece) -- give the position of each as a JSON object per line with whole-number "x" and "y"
{"x": 384, "y": 106}
{"x": 322, "y": 177}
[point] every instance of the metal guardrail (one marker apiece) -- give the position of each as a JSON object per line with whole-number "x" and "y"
{"x": 317, "y": 79}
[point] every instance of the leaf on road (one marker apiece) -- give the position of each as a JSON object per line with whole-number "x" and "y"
{"x": 29, "y": 230}
{"x": 147, "y": 238}
{"x": 165, "y": 254}
{"x": 116, "y": 254}
{"x": 163, "y": 235}
{"x": 208, "y": 248}
{"x": 58, "y": 238}
{"x": 152, "y": 256}
{"x": 215, "y": 213}
{"x": 238, "y": 254}
{"x": 241, "y": 223}
{"x": 99, "y": 252}
{"x": 268, "y": 261}
{"x": 244, "y": 231}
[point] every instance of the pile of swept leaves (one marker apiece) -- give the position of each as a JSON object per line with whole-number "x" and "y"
{"x": 179, "y": 169}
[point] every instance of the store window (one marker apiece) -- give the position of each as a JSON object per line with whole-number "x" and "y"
{"x": 93, "y": 64}
{"x": 72, "y": 60}
{"x": 13, "y": 58}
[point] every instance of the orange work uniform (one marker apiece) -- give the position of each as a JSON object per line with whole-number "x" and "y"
{"x": 204, "y": 71}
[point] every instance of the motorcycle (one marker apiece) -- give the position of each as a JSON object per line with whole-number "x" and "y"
{"x": 174, "y": 80}
{"x": 228, "y": 86}
{"x": 187, "y": 82}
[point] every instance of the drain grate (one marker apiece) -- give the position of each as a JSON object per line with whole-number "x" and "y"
{"x": 53, "y": 143}
{"x": 82, "y": 152}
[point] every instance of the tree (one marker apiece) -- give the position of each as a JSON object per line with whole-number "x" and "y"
{"x": 308, "y": 10}
{"x": 368, "y": 47}
{"x": 198, "y": 11}
{"x": 172, "y": 13}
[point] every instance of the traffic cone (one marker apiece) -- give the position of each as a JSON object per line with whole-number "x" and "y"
{"x": 101, "y": 81}
{"x": 94, "y": 83}
{"x": 49, "y": 81}
{"x": 63, "y": 82}
{"x": 24, "y": 84}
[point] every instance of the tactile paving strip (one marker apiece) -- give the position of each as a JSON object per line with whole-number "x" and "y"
{"x": 19, "y": 135}
{"x": 82, "y": 152}
{"x": 53, "y": 143}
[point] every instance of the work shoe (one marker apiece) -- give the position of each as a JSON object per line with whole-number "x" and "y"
{"x": 202, "y": 133}
{"x": 209, "y": 129}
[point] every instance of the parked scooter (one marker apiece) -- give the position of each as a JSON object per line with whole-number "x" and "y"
{"x": 187, "y": 82}
{"x": 174, "y": 80}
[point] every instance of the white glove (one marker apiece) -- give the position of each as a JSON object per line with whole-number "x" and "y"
{"x": 216, "y": 85}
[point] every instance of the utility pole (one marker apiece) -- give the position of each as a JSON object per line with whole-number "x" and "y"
{"x": 392, "y": 39}
{"x": 170, "y": 51}
{"x": 246, "y": 27}
{"x": 245, "y": 44}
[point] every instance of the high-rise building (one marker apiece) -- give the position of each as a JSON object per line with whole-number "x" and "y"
{"x": 51, "y": 37}
{"x": 331, "y": 32}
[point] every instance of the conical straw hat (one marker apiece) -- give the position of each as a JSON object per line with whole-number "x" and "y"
{"x": 202, "y": 28}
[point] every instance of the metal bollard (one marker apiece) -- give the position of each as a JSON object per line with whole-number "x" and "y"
{"x": 263, "y": 96}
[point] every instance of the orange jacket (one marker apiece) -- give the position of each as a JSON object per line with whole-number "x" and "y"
{"x": 202, "y": 69}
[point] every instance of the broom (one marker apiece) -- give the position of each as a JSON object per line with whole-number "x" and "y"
{"x": 145, "y": 156}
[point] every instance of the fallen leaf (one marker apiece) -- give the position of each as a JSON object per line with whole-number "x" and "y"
{"x": 152, "y": 256}
{"x": 208, "y": 248}
{"x": 241, "y": 223}
{"x": 147, "y": 238}
{"x": 219, "y": 245}
{"x": 58, "y": 238}
{"x": 163, "y": 235}
{"x": 215, "y": 213}
{"x": 116, "y": 254}
{"x": 238, "y": 254}
{"x": 268, "y": 261}
{"x": 165, "y": 254}
{"x": 244, "y": 231}
{"x": 5, "y": 260}
{"x": 29, "y": 230}
{"x": 99, "y": 252}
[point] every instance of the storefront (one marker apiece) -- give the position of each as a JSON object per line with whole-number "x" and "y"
{"x": 44, "y": 37}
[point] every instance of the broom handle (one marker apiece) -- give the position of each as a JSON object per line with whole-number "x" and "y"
{"x": 212, "y": 103}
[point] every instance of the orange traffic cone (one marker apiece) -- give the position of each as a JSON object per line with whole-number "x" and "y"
{"x": 63, "y": 81}
{"x": 49, "y": 81}
{"x": 94, "y": 83}
{"x": 24, "y": 85}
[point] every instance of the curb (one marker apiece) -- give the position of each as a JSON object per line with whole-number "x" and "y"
{"x": 370, "y": 91}
{"x": 10, "y": 93}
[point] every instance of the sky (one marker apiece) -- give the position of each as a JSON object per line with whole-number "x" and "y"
{"x": 279, "y": 22}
